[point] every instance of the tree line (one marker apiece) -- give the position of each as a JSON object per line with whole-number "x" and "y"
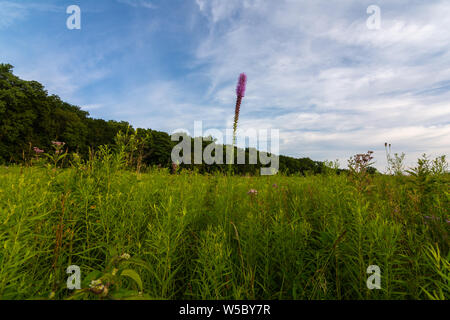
{"x": 30, "y": 117}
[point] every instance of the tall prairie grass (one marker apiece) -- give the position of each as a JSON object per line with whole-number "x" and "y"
{"x": 194, "y": 236}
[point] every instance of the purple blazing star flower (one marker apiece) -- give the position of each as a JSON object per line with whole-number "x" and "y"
{"x": 240, "y": 90}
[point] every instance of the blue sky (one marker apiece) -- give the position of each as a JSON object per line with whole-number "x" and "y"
{"x": 316, "y": 72}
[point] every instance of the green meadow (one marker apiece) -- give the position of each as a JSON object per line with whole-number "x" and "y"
{"x": 164, "y": 235}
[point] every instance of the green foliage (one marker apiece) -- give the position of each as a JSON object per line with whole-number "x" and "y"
{"x": 360, "y": 171}
{"x": 426, "y": 180}
{"x": 215, "y": 236}
{"x": 396, "y": 163}
{"x": 441, "y": 266}
{"x": 113, "y": 283}
{"x": 58, "y": 153}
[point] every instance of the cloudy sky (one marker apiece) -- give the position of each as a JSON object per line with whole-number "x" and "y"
{"x": 331, "y": 85}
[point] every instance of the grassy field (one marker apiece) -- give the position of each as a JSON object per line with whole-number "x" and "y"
{"x": 158, "y": 235}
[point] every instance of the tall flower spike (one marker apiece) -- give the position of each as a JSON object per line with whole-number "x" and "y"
{"x": 240, "y": 92}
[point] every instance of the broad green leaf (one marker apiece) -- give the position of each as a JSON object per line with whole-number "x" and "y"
{"x": 133, "y": 275}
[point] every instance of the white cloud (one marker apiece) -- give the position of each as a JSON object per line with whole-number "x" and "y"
{"x": 63, "y": 73}
{"x": 12, "y": 12}
{"x": 330, "y": 84}
{"x": 90, "y": 107}
{"x": 164, "y": 105}
{"x": 218, "y": 10}
{"x": 139, "y": 3}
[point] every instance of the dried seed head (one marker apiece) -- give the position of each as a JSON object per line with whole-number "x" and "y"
{"x": 97, "y": 287}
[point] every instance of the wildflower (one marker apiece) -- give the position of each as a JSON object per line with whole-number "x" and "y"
{"x": 432, "y": 218}
{"x": 125, "y": 256}
{"x": 275, "y": 185}
{"x": 252, "y": 192}
{"x": 37, "y": 150}
{"x": 240, "y": 92}
{"x": 59, "y": 144}
{"x": 95, "y": 283}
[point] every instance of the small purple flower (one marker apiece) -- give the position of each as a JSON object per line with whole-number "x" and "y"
{"x": 434, "y": 218}
{"x": 37, "y": 150}
{"x": 57, "y": 143}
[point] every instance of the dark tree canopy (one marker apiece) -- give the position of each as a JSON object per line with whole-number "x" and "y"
{"x": 31, "y": 117}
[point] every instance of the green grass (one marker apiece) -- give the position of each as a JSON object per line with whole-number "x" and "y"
{"x": 194, "y": 236}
